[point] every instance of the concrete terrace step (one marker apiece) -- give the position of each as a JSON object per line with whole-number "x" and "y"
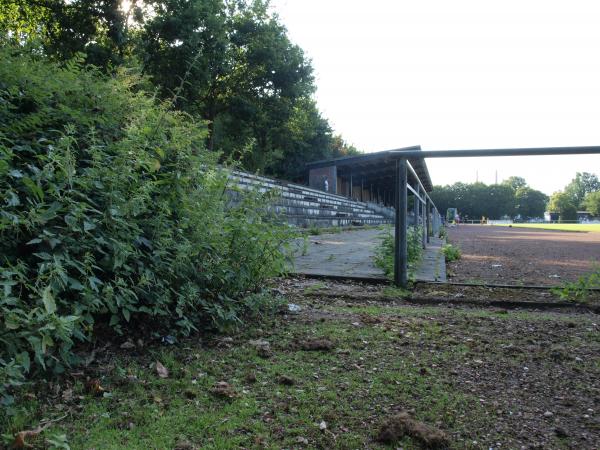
{"x": 303, "y": 206}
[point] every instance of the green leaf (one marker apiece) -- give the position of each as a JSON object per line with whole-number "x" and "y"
{"x": 24, "y": 361}
{"x": 48, "y": 300}
{"x": 87, "y": 225}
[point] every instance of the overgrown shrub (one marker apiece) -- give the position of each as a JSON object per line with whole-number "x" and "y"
{"x": 112, "y": 210}
{"x": 384, "y": 253}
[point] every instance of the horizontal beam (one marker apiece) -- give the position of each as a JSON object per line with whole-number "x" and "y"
{"x": 412, "y": 189}
{"x": 411, "y": 170}
{"x": 540, "y": 151}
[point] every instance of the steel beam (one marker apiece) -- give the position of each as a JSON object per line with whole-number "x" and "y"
{"x": 539, "y": 151}
{"x": 415, "y": 193}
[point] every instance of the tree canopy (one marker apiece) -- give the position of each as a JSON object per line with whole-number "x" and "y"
{"x": 583, "y": 184}
{"x": 243, "y": 76}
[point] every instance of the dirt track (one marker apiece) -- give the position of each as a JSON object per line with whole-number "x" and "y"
{"x": 522, "y": 256}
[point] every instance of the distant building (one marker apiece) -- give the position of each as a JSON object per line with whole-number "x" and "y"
{"x": 584, "y": 216}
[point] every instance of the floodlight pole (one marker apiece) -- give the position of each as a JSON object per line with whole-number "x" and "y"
{"x": 400, "y": 236}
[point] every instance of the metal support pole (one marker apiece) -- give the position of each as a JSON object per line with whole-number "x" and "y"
{"x": 424, "y": 223}
{"x": 428, "y": 217}
{"x": 416, "y": 207}
{"x": 400, "y": 238}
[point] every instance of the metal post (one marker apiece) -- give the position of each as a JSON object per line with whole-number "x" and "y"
{"x": 428, "y": 221}
{"x": 424, "y": 223}
{"x": 416, "y": 207}
{"x": 400, "y": 238}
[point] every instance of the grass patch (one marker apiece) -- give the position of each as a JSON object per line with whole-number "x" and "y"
{"x": 313, "y": 288}
{"x": 395, "y": 292}
{"x": 385, "y": 358}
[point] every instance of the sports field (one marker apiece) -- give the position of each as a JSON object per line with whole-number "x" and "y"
{"x": 583, "y": 227}
{"x": 529, "y": 255}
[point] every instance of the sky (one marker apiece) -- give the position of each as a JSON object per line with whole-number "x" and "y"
{"x": 458, "y": 74}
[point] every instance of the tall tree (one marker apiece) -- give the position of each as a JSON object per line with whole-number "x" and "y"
{"x": 515, "y": 182}
{"x": 592, "y": 203}
{"x": 563, "y": 204}
{"x": 530, "y": 203}
{"x": 97, "y": 28}
{"x": 245, "y": 77}
{"x": 581, "y": 185}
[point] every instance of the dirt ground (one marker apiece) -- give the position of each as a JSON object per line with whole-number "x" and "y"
{"x": 349, "y": 366}
{"x": 522, "y": 256}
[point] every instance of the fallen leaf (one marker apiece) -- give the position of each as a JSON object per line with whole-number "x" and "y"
{"x": 161, "y": 370}
{"x": 22, "y": 436}
{"x": 94, "y": 387}
{"x": 127, "y": 345}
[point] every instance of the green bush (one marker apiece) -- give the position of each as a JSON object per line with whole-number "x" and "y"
{"x": 113, "y": 211}
{"x": 384, "y": 254}
{"x": 451, "y": 253}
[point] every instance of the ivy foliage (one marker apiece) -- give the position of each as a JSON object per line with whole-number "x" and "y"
{"x": 113, "y": 212}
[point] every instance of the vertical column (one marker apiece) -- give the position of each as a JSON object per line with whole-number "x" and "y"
{"x": 350, "y": 184}
{"x": 428, "y": 218}
{"x": 423, "y": 221}
{"x": 417, "y": 207}
{"x": 400, "y": 238}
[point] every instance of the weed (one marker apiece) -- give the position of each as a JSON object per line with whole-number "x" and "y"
{"x": 451, "y": 253}
{"x": 581, "y": 289}
{"x": 384, "y": 254}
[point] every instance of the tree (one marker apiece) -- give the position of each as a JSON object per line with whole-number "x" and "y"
{"x": 515, "y": 182}
{"x": 247, "y": 79}
{"x": 592, "y": 203}
{"x": 563, "y": 204}
{"x": 243, "y": 76}
{"x": 581, "y": 185}
{"x": 97, "y": 28}
{"x": 530, "y": 203}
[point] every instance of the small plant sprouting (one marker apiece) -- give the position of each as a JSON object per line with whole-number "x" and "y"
{"x": 580, "y": 290}
{"x": 451, "y": 253}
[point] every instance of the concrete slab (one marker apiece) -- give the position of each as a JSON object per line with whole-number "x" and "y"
{"x": 432, "y": 266}
{"x": 350, "y": 254}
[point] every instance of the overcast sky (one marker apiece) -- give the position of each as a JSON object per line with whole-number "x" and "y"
{"x": 458, "y": 74}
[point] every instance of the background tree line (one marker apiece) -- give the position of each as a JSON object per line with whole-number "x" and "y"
{"x": 514, "y": 198}
{"x": 581, "y": 194}
{"x": 245, "y": 78}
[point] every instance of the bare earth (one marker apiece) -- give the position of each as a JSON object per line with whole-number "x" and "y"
{"x": 522, "y": 256}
